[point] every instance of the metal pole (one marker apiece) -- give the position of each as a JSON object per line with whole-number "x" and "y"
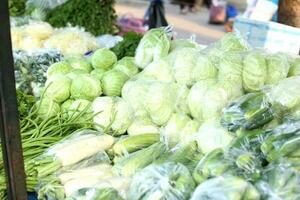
{"x": 9, "y": 116}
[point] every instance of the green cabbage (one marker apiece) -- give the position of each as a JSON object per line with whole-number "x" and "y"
{"x": 277, "y": 68}
{"x": 254, "y": 72}
{"x": 212, "y": 135}
{"x": 226, "y": 188}
{"x": 47, "y": 108}
{"x": 159, "y": 102}
{"x": 158, "y": 70}
{"x": 204, "y": 69}
{"x": 113, "y": 113}
{"x": 174, "y": 127}
{"x": 134, "y": 92}
{"x": 142, "y": 126}
{"x": 58, "y": 88}
{"x": 154, "y": 45}
{"x": 80, "y": 63}
{"x": 182, "y": 43}
{"x": 85, "y": 87}
{"x": 286, "y": 93}
{"x": 103, "y": 59}
{"x": 168, "y": 181}
{"x": 59, "y": 68}
{"x": 188, "y": 132}
{"x": 127, "y": 66}
{"x": 66, "y": 105}
{"x": 196, "y": 96}
{"x": 233, "y": 42}
{"x": 98, "y": 73}
{"x": 75, "y": 72}
{"x": 113, "y": 81}
{"x": 181, "y": 104}
{"x": 184, "y": 64}
{"x": 231, "y": 67}
{"x": 295, "y": 68}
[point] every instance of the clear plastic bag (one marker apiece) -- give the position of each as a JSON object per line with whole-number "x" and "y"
{"x": 226, "y": 188}
{"x": 83, "y": 144}
{"x": 164, "y": 182}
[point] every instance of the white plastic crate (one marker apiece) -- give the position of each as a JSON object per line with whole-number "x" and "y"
{"x": 272, "y": 36}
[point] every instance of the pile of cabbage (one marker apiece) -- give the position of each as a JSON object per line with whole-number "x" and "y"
{"x": 164, "y": 108}
{"x": 37, "y": 34}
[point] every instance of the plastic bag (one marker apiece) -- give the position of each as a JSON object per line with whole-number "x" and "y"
{"x": 83, "y": 144}
{"x": 226, "y": 188}
{"x": 164, "y": 182}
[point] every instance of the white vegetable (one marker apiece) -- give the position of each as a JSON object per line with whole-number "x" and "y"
{"x": 142, "y": 126}
{"x": 212, "y": 135}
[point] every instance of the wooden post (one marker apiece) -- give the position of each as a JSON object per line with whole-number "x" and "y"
{"x": 289, "y": 12}
{"x": 9, "y": 116}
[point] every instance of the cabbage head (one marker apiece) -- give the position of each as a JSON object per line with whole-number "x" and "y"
{"x": 59, "y": 68}
{"x": 286, "y": 93}
{"x": 182, "y": 43}
{"x": 232, "y": 42}
{"x": 103, "y": 59}
{"x": 98, "y": 73}
{"x": 80, "y": 63}
{"x": 168, "y": 181}
{"x": 47, "y": 108}
{"x": 154, "y": 45}
{"x": 127, "y": 66}
{"x": 211, "y": 135}
{"x": 85, "y": 87}
{"x": 58, "y": 88}
{"x": 254, "y": 72}
{"x": 113, "y": 82}
{"x": 159, "y": 102}
{"x": 134, "y": 92}
{"x": 226, "y": 188}
{"x": 204, "y": 69}
{"x": 112, "y": 113}
{"x": 142, "y": 126}
{"x": 75, "y": 72}
{"x": 159, "y": 70}
{"x": 277, "y": 68}
{"x": 196, "y": 96}
{"x": 184, "y": 64}
{"x": 65, "y": 106}
{"x": 79, "y": 106}
{"x": 188, "y": 132}
{"x": 173, "y": 129}
{"x": 181, "y": 104}
{"x": 231, "y": 67}
{"x": 295, "y": 67}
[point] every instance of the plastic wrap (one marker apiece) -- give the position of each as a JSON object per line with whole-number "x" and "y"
{"x": 248, "y": 112}
{"x": 112, "y": 113}
{"x": 154, "y": 45}
{"x": 83, "y": 144}
{"x": 226, "y": 188}
{"x": 280, "y": 182}
{"x": 165, "y": 182}
{"x": 283, "y": 141}
{"x": 277, "y": 68}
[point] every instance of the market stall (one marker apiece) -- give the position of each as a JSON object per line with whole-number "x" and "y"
{"x": 150, "y": 118}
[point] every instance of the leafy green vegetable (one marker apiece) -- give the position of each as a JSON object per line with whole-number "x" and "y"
{"x": 58, "y": 88}
{"x": 103, "y": 59}
{"x": 100, "y": 18}
{"x": 226, "y": 188}
{"x": 127, "y": 66}
{"x": 81, "y": 64}
{"x": 113, "y": 81}
{"x": 166, "y": 181}
{"x": 278, "y": 68}
{"x": 254, "y": 71}
{"x": 16, "y": 7}
{"x": 85, "y": 87}
{"x": 295, "y": 67}
{"x": 127, "y": 46}
{"x": 47, "y": 108}
{"x": 59, "y": 67}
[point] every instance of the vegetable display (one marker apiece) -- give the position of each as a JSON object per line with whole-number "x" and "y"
{"x": 173, "y": 121}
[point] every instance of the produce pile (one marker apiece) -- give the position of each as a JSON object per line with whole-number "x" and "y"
{"x": 173, "y": 122}
{"x": 96, "y": 16}
{"x": 37, "y": 34}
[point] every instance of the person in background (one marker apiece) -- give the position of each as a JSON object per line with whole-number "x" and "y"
{"x": 185, "y": 5}
{"x": 155, "y": 14}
